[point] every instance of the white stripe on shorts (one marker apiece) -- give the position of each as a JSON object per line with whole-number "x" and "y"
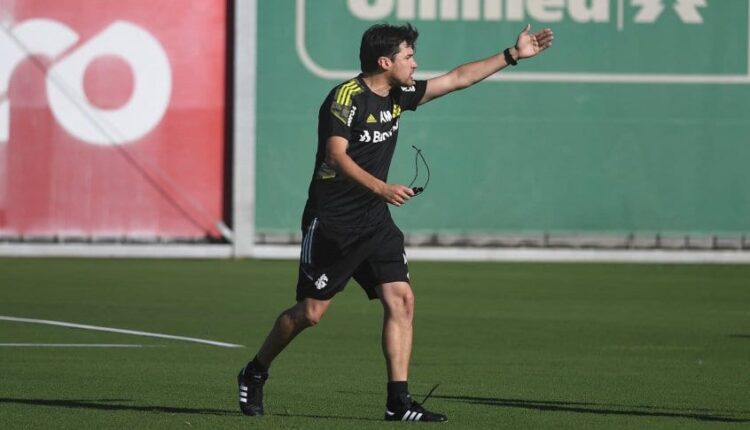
{"x": 307, "y": 242}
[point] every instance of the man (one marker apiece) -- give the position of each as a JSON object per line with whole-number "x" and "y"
{"x": 348, "y": 231}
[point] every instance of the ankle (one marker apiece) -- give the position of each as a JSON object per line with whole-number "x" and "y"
{"x": 398, "y": 393}
{"x": 256, "y": 365}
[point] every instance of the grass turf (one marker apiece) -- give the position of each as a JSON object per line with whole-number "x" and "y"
{"x": 512, "y": 345}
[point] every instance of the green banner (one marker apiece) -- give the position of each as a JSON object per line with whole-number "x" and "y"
{"x": 635, "y": 121}
{"x": 605, "y": 37}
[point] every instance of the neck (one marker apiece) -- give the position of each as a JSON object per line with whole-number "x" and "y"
{"x": 378, "y": 84}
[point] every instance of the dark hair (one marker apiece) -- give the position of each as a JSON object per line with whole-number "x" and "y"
{"x": 383, "y": 40}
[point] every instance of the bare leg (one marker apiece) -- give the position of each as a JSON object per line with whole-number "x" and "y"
{"x": 289, "y": 324}
{"x": 398, "y": 306}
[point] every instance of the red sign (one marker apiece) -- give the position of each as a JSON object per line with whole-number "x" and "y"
{"x": 112, "y": 117}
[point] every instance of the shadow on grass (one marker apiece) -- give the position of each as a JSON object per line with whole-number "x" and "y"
{"x": 601, "y": 409}
{"x": 740, "y": 336}
{"x": 117, "y": 405}
{"x": 539, "y": 405}
{"x": 110, "y": 405}
{"x": 324, "y": 417}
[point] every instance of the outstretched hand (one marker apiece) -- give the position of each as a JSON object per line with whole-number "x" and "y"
{"x": 528, "y": 45}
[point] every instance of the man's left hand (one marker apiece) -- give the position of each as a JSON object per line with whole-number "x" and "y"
{"x": 528, "y": 45}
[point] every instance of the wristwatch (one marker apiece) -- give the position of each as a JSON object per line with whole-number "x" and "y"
{"x": 509, "y": 58}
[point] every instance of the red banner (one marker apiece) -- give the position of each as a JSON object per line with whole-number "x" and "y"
{"x": 112, "y": 117}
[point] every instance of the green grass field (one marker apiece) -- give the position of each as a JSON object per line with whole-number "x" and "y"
{"x": 512, "y": 345}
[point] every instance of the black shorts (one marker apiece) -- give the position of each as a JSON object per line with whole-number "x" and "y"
{"x": 331, "y": 255}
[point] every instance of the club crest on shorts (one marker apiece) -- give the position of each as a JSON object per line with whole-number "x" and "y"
{"x": 322, "y": 282}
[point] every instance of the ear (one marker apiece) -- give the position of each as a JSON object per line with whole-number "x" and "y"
{"x": 385, "y": 63}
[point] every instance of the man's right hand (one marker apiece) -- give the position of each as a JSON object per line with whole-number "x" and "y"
{"x": 395, "y": 194}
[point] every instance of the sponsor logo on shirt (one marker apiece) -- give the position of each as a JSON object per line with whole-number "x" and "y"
{"x": 385, "y": 116}
{"x": 377, "y": 136}
{"x": 388, "y": 116}
{"x": 371, "y": 119}
{"x": 351, "y": 116}
{"x": 365, "y": 137}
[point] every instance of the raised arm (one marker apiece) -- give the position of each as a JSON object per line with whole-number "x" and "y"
{"x": 466, "y": 75}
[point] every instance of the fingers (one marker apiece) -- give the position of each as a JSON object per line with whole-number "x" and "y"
{"x": 526, "y": 29}
{"x": 544, "y": 38}
{"x": 399, "y": 195}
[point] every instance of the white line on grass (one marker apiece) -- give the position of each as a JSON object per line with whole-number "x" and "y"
{"x": 119, "y": 330}
{"x": 76, "y": 345}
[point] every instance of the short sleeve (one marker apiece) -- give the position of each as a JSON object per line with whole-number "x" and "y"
{"x": 343, "y": 109}
{"x": 411, "y": 96}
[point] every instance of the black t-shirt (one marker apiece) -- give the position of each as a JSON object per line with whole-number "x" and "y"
{"x": 370, "y": 123}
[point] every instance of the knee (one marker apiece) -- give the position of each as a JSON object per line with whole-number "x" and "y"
{"x": 408, "y": 302}
{"x": 303, "y": 317}
{"x": 400, "y": 302}
{"x": 310, "y": 318}
{"x": 410, "y": 307}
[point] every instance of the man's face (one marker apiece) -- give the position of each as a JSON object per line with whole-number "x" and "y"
{"x": 403, "y": 67}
